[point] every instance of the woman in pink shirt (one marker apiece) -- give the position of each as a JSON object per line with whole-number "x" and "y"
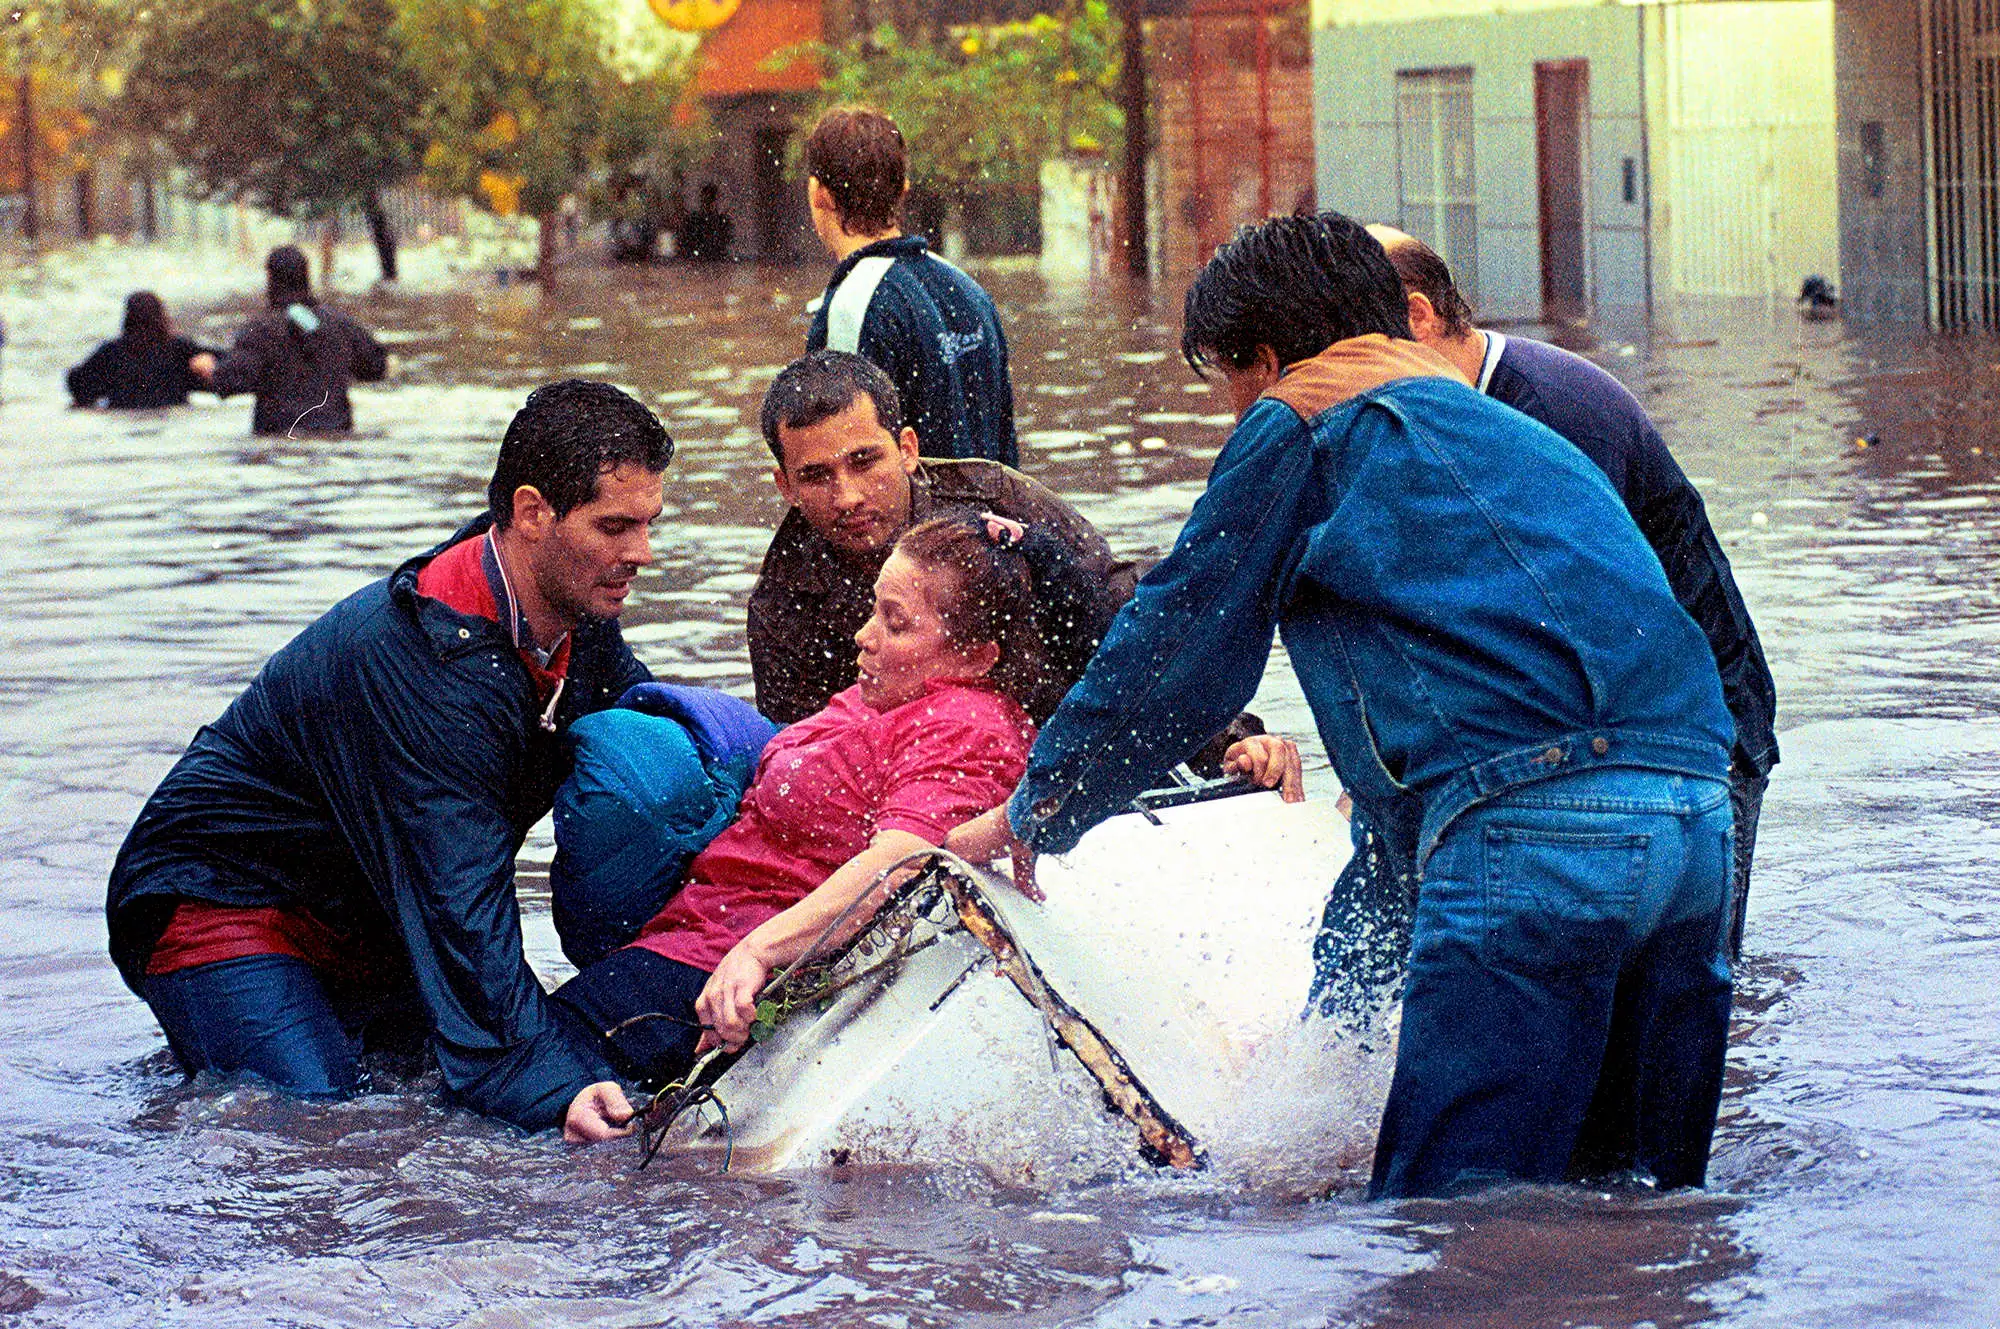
{"x": 933, "y": 734}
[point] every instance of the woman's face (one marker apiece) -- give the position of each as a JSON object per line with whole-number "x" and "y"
{"x": 905, "y": 644}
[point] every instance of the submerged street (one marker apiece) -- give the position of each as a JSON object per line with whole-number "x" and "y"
{"x": 150, "y": 561}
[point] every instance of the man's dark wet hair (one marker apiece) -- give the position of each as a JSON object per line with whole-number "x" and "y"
{"x": 285, "y": 277}
{"x": 820, "y": 385}
{"x": 857, "y": 153}
{"x": 146, "y": 318}
{"x": 567, "y": 435}
{"x": 1295, "y": 284}
{"x": 1425, "y": 273}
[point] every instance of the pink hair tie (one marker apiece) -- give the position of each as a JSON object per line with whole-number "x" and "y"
{"x": 1003, "y": 532}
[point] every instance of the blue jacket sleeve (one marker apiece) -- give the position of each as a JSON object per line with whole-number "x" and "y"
{"x": 1186, "y": 652}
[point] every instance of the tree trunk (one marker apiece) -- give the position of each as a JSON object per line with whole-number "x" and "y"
{"x": 545, "y": 248}
{"x": 86, "y": 203}
{"x": 329, "y": 236}
{"x": 381, "y": 232}
{"x": 149, "y": 207}
{"x": 1132, "y": 97}
{"x": 31, "y": 211}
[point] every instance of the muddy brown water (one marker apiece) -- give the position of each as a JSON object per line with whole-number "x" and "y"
{"x": 149, "y": 562}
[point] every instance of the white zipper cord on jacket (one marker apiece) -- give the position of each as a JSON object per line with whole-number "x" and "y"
{"x": 514, "y": 632}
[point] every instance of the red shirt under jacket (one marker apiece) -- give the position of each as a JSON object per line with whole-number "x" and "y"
{"x": 203, "y": 933}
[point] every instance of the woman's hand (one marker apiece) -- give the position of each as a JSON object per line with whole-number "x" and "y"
{"x": 598, "y": 1112}
{"x": 728, "y": 1004}
{"x": 989, "y": 836}
{"x": 1269, "y": 762}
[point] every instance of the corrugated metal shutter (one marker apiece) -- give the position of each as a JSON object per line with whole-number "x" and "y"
{"x": 1435, "y": 168}
{"x": 1751, "y": 192}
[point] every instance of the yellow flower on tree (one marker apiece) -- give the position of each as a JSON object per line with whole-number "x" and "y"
{"x": 503, "y": 192}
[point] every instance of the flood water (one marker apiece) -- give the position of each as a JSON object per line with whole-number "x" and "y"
{"x": 149, "y": 563}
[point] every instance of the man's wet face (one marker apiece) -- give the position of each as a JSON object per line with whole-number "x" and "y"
{"x": 850, "y": 477}
{"x": 586, "y": 565}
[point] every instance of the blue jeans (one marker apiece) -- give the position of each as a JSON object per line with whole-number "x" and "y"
{"x": 1567, "y": 1008}
{"x": 272, "y": 1016}
{"x": 1362, "y": 948}
{"x": 656, "y": 994}
{"x": 265, "y": 1014}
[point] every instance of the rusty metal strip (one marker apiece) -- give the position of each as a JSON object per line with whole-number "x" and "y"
{"x": 1165, "y": 1139}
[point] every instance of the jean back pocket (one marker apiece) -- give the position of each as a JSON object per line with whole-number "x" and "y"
{"x": 1560, "y": 901}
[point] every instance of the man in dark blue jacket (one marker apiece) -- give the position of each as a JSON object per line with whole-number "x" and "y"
{"x": 894, "y": 302}
{"x": 1506, "y": 687}
{"x": 341, "y": 841}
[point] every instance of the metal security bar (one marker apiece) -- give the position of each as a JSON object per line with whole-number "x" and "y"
{"x": 1962, "y": 126}
{"x": 1434, "y": 158}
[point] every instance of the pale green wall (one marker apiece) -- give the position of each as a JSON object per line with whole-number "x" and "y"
{"x": 1354, "y": 78}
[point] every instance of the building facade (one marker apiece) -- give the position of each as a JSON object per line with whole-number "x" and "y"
{"x": 1231, "y": 86}
{"x": 1920, "y": 162}
{"x": 1575, "y": 160}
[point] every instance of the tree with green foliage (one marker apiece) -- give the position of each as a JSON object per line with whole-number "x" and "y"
{"x": 302, "y": 107}
{"x": 63, "y": 63}
{"x": 990, "y": 103}
{"x": 528, "y": 102}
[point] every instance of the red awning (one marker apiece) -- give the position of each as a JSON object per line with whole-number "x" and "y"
{"x": 733, "y": 56}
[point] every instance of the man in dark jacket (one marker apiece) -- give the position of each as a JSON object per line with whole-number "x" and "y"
{"x": 298, "y": 356}
{"x": 849, "y": 468}
{"x": 1596, "y": 412}
{"x": 344, "y": 835}
{"x": 931, "y": 327}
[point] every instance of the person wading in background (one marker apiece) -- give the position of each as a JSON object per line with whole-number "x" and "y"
{"x": 933, "y": 329}
{"x": 298, "y": 357}
{"x": 148, "y": 365}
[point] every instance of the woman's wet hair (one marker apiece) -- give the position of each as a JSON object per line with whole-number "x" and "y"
{"x": 1296, "y": 284}
{"x": 820, "y": 385}
{"x": 146, "y": 318}
{"x": 857, "y": 153}
{"x": 565, "y": 437}
{"x": 988, "y": 594}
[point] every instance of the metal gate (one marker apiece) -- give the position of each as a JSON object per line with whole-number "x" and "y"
{"x": 1962, "y": 129}
{"x": 1250, "y": 100}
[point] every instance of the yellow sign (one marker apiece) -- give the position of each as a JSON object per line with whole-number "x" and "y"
{"x": 693, "y": 15}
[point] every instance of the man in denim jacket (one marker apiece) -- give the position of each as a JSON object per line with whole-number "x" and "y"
{"x": 1506, "y": 687}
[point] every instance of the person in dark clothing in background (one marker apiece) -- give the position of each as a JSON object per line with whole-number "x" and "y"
{"x": 342, "y": 839}
{"x": 708, "y": 234}
{"x": 848, "y": 466}
{"x": 148, "y": 365}
{"x": 931, "y": 327}
{"x": 298, "y": 357}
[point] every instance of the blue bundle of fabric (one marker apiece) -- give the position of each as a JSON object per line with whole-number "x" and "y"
{"x": 654, "y": 780}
